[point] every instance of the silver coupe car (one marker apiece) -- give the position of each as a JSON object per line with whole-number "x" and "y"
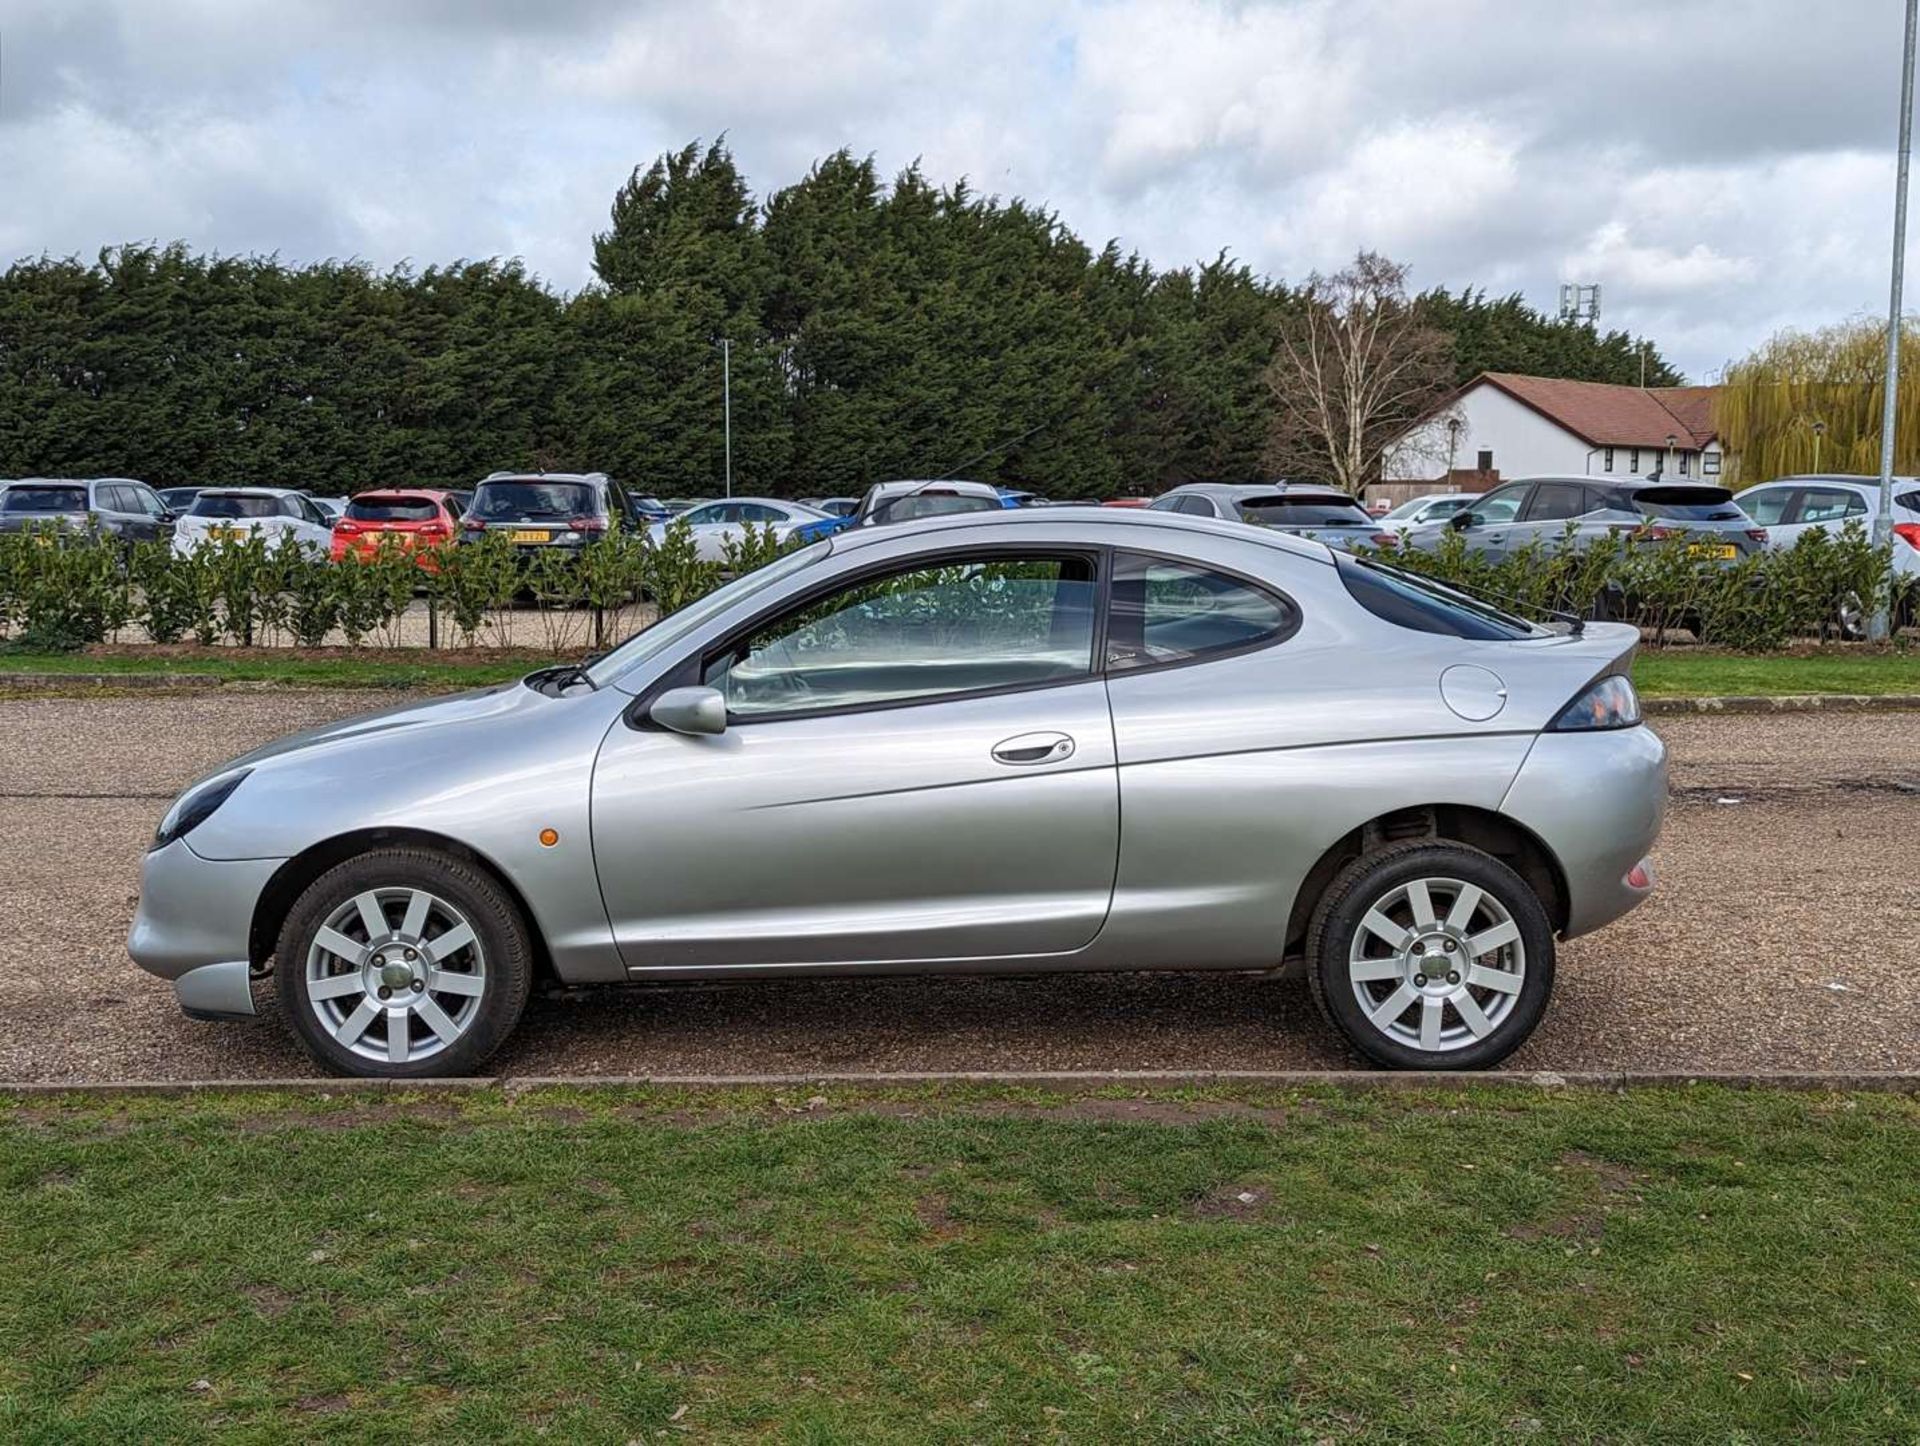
{"x": 1004, "y": 742}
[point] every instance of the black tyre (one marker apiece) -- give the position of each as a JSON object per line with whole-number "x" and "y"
{"x": 1431, "y": 955}
{"x": 403, "y": 963}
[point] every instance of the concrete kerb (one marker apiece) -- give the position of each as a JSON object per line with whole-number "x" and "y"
{"x": 1785, "y": 703}
{"x": 1835, "y": 1082}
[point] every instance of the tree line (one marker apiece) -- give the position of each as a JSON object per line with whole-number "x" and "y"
{"x": 874, "y": 329}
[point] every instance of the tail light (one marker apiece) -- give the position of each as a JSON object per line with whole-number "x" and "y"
{"x": 1659, "y": 534}
{"x": 1908, "y": 532}
{"x": 1757, "y": 534}
{"x": 588, "y": 524}
{"x": 1609, "y": 703}
{"x": 346, "y": 527}
{"x": 1386, "y": 539}
{"x": 473, "y": 524}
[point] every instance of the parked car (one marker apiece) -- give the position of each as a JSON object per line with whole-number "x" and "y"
{"x": 649, "y": 509}
{"x": 458, "y": 501}
{"x": 833, "y": 506}
{"x": 1790, "y": 507}
{"x": 715, "y": 524}
{"x": 1508, "y": 517}
{"x": 178, "y": 499}
{"x": 1324, "y": 514}
{"x": 332, "y": 508}
{"x": 415, "y": 518}
{"x": 887, "y": 502}
{"x": 1429, "y": 507}
{"x": 910, "y": 752}
{"x": 112, "y": 506}
{"x": 540, "y": 510}
{"x": 229, "y": 513}
{"x": 677, "y": 505}
{"x": 1128, "y": 502}
{"x": 1016, "y": 497}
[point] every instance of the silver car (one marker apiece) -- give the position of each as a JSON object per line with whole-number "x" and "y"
{"x": 1505, "y": 519}
{"x": 1006, "y": 742}
{"x": 1325, "y": 514}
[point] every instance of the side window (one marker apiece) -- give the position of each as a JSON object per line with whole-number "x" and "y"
{"x": 1767, "y": 506}
{"x": 1170, "y": 612}
{"x": 1165, "y": 504}
{"x": 1498, "y": 506}
{"x": 757, "y": 512}
{"x": 149, "y": 501}
{"x": 1554, "y": 501}
{"x": 934, "y": 630}
{"x": 713, "y": 512}
{"x": 1830, "y": 504}
{"x": 1193, "y": 506}
{"x": 111, "y": 497}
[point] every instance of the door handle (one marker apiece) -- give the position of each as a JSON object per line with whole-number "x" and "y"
{"x": 1031, "y": 748}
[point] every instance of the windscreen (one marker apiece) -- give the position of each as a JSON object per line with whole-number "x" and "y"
{"x": 1284, "y": 511}
{"x": 44, "y": 499}
{"x": 518, "y": 501}
{"x": 930, "y": 504}
{"x": 1688, "y": 504}
{"x": 375, "y": 508}
{"x": 226, "y": 504}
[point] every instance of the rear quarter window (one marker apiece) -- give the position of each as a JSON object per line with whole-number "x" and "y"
{"x": 1408, "y": 601}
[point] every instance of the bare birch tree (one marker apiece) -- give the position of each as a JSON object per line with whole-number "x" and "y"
{"x": 1355, "y": 363}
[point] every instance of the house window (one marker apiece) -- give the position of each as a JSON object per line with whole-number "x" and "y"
{"x": 1686, "y": 462}
{"x": 1633, "y": 461}
{"x": 1709, "y": 464}
{"x": 1485, "y": 459}
{"x": 1606, "y": 463}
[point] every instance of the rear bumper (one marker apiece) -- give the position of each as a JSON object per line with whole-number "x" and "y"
{"x": 1598, "y": 800}
{"x": 194, "y": 924}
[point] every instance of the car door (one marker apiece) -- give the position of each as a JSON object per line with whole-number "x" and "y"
{"x": 1548, "y": 510}
{"x": 1491, "y": 518}
{"x": 157, "y": 524}
{"x": 917, "y": 768}
{"x": 710, "y": 526}
{"x": 1772, "y": 508}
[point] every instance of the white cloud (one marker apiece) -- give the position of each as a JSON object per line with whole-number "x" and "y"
{"x": 1718, "y": 165}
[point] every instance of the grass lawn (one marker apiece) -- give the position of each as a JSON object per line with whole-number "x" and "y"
{"x": 968, "y": 1265}
{"x": 1676, "y": 672}
{"x": 1685, "y": 672}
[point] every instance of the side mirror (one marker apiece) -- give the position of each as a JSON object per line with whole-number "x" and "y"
{"x": 694, "y": 711}
{"x": 1460, "y": 521}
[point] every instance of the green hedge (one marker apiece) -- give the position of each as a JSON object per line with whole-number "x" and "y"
{"x": 62, "y": 591}
{"x": 1823, "y": 587}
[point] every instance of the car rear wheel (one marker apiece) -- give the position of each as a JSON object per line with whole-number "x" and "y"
{"x": 1431, "y": 956}
{"x": 403, "y": 963}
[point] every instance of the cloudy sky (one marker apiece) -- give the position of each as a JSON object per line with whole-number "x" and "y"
{"x": 1722, "y": 167}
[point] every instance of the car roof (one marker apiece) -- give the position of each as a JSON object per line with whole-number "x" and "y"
{"x": 1101, "y": 524}
{"x": 1246, "y": 489}
{"x": 251, "y": 492}
{"x": 590, "y": 478}
{"x": 1856, "y": 481}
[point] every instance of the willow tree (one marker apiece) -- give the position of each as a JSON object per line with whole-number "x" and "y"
{"x": 1811, "y": 402}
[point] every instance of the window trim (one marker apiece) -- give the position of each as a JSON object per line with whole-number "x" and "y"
{"x": 688, "y": 670}
{"x": 1217, "y": 655}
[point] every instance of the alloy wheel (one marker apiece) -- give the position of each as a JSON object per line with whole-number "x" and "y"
{"x": 396, "y": 974}
{"x": 1437, "y": 964}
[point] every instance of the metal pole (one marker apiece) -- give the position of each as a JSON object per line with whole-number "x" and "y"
{"x": 1883, "y": 521}
{"x": 726, "y": 392}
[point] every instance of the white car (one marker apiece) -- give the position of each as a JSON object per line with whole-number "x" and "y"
{"x": 714, "y": 524}
{"x": 1431, "y": 507}
{"x": 905, "y": 501}
{"x": 222, "y": 513}
{"x": 1791, "y": 506}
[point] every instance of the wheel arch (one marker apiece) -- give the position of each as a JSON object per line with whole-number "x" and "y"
{"x": 1508, "y": 840}
{"x": 292, "y": 878}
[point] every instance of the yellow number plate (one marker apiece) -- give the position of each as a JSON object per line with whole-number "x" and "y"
{"x": 1719, "y": 551}
{"x": 529, "y": 534}
{"x": 226, "y": 534}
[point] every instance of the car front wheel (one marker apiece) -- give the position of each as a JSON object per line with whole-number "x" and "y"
{"x": 1431, "y": 956}
{"x": 403, "y": 963}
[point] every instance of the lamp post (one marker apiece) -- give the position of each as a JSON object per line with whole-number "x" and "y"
{"x": 726, "y": 404}
{"x": 1453, "y": 445}
{"x": 1819, "y": 431}
{"x": 1878, "y": 627}
{"x": 1666, "y": 462}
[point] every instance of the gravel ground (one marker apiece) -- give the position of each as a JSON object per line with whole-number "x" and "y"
{"x": 1786, "y": 882}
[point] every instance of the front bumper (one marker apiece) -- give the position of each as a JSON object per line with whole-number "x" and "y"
{"x": 193, "y": 927}
{"x": 1597, "y": 799}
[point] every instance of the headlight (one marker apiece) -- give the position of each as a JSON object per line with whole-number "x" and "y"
{"x": 1609, "y": 703}
{"x": 193, "y": 809}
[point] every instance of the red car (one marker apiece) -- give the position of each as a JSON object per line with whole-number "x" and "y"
{"x": 419, "y": 517}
